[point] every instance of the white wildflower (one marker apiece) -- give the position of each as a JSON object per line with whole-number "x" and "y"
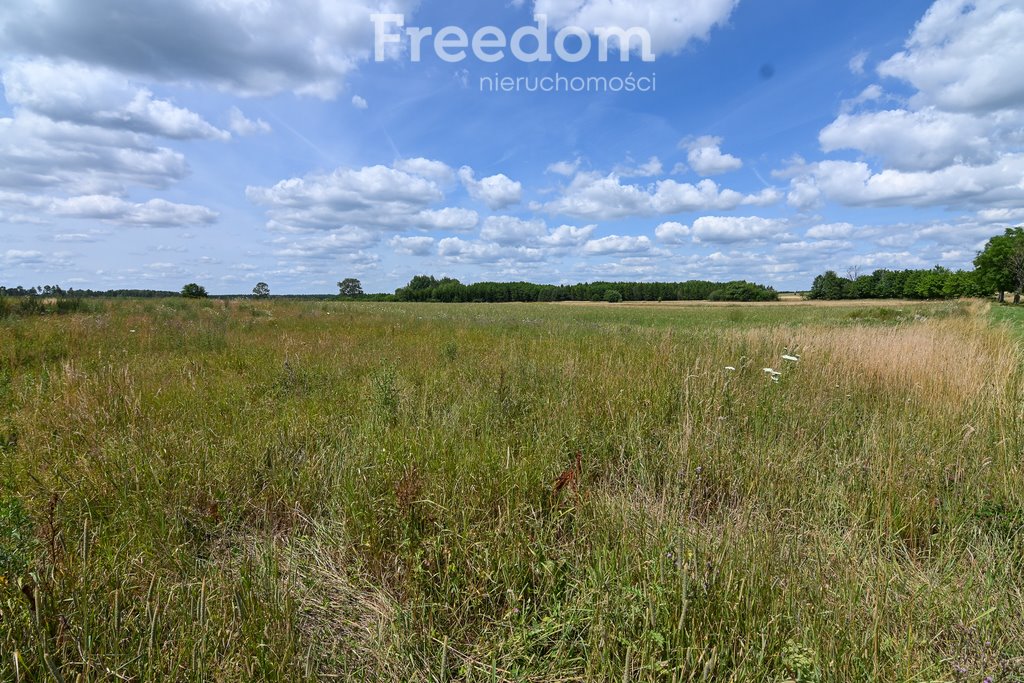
{"x": 791, "y": 359}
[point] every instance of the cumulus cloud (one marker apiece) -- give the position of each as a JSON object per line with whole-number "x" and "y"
{"x": 598, "y": 197}
{"x": 565, "y": 236}
{"x": 496, "y": 191}
{"x": 449, "y": 218}
{"x": 457, "y": 250}
{"x": 956, "y": 142}
{"x": 672, "y": 232}
{"x": 241, "y": 125}
{"x": 74, "y": 93}
{"x": 420, "y": 245}
{"x": 920, "y": 140}
{"x": 830, "y": 231}
{"x": 673, "y": 24}
{"x": 437, "y": 171}
{"x": 359, "y": 102}
{"x": 726, "y": 229}
{"x": 508, "y": 230}
{"x": 155, "y": 213}
{"x": 652, "y": 167}
{"x": 706, "y": 157}
{"x": 347, "y": 240}
{"x": 617, "y": 244}
{"x": 375, "y": 196}
{"x": 301, "y": 46}
{"x": 964, "y": 55}
{"x": 856, "y": 184}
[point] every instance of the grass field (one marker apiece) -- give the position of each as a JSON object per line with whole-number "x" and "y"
{"x": 239, "y": 491}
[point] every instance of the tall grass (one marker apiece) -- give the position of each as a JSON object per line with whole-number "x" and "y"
{"x": 323, "y": 491}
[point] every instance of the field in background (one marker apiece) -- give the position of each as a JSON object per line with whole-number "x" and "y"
{"x": 297, "y": 490}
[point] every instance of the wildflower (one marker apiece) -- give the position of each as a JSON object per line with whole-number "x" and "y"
{"x": 730, "y": 368}
{"x": 775, "y": 374}
{"x": 791, "y": 359}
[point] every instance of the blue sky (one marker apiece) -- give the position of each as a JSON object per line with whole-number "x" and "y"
{"x": 152, "y": 143}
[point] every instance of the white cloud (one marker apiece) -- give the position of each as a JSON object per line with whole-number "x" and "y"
{"x": 456, "y": 250}
{"x": 857, "y": 63}
{"x": 348, "y": 240}
{"x": 508, "y": 230}
{"x": 617, "y": 244}
{"x": 496, "y": 191}
{"x": 673, "y": 24}
{"x": 920, "y": 140}
{"x": 241, "y": 125}
{"x": 593, "y": 196}
{"x": 17, "y": 257}
{"x": 673, "y": 197}
{"x": 565, "y": 236}
{"x": 99, "y": 97}
{"x": 672, "y": 232}
{"x": 566, "y": 168}
{"x": 829, "y": 231}
{"x": 253, "y": 48}
{"x": 652, "y": 167}
{"x": 965, "y": 55}
{"x": 112, "y": 210}
{"x": 152, "y": 213}
{"x": 726, "y": 229}
{"x": 359, "y": 102}
{"x": 449, "y": 218}
{"x": 855, "y": 184}
{"x": 1015, "y": 216}
{"x": 430, "y": 169}
{"x": 373, "y": 196}
{"x": 415, "y": 246}
{"x": 37, "y": 152}
{"x": 706, "y": 157}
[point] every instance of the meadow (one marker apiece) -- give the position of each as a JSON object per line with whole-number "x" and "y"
{"x": 283, "y": 491}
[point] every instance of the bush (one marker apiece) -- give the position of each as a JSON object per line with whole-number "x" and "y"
{"x": 193, "y": 291}
{"x": 69, "y": 306}
{"x": 613, "y": 296}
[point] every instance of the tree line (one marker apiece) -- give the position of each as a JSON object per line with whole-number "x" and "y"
{"x": 998, "y": 268}
{"x": 47, "y": 291}
{"x": 448, "y": 290}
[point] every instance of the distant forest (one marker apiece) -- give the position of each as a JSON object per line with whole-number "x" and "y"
{"x": 448, "y": 290}
{"x": 998, "y": 268}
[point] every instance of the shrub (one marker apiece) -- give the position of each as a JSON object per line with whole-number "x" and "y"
{"x": 193, "y": 291}
{"x": 613, "y": 296}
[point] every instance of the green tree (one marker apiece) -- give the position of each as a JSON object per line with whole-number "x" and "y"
{"x": 999, "y": 266}
{"x": 350, "y": 288}
{"x": 613, "y": 296}
{"x": 261, "y": 290}
{"x": 193, "y": 291}
{"x": 828, "y": 286}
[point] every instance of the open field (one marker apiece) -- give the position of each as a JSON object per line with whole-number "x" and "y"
{"x": 338, "y": 491}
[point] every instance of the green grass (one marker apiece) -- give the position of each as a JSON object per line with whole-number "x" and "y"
{"x": 1012, "y": 316}
{"x": 199, "y": 491}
